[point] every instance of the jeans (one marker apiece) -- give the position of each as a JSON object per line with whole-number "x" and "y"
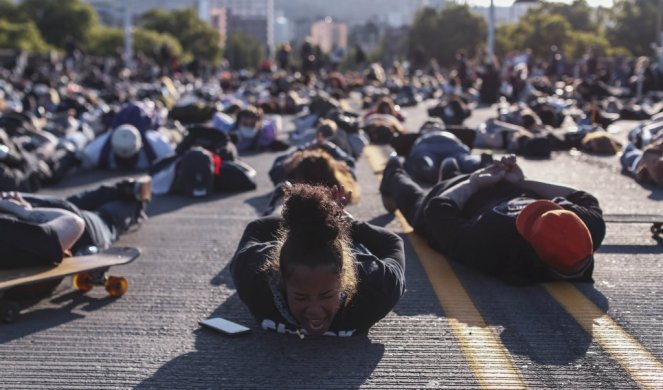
{"x": 630, "y": 159}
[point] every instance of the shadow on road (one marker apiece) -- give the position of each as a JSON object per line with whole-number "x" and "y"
{"x": 634, "y": 249}
{"x": 534, "y": 325}
{"x": 39, "y": 320}
{"x": 264, "y": 359}
{"x": 164, "y": 204}
{"x": 259, "y": 202}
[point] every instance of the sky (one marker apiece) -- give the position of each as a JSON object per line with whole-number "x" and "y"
{"x": 503, "y": 3}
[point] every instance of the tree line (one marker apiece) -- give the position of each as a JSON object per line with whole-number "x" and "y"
{"x": 43, "y": 25}
{"x": 628, "y": 28}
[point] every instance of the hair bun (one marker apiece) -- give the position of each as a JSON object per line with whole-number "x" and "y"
{"x": 312, "y": 216}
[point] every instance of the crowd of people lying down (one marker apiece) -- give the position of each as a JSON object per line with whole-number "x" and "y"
{"x": 307, "y": 266}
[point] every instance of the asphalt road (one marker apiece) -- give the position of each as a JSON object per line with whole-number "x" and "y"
{"x": 453, "y": 328}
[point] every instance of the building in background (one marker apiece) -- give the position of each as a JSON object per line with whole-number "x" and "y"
{"x": 254, "y": 18}
{"x": 438, "y": 5}
{"x": 367, "y": 36}
{"x": 283, "y": 28}
{"x": 505, "y": 15}
{"x": 328, "y": 34}
{"x": 218, "y": 19}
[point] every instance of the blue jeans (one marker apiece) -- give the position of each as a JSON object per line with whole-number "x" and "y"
{"x": 630, "y": 159}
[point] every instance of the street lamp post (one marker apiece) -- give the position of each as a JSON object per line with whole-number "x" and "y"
{"x": 491, "y": 29}
{"x": 128, "y": 38}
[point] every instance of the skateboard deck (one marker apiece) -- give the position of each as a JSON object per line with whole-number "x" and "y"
{"x": 87, "y": 271}
{"x": 655, "y": 220}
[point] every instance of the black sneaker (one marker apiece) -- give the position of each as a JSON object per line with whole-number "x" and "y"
{"x": 143, "y": 189}
{"x": 448, "y": 169}
{"x": 393, "y": 164}
{"x": 136, "y": 189}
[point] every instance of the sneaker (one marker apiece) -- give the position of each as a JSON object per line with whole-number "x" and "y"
{"x": 486, "y": 159}
{"x": 448, "y": 169}
{"x": 393, "y": 164}
{"x": 143, "y": 189}
{"x": 135, "y": 189}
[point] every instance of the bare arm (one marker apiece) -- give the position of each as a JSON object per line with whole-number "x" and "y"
{"x": 67, "y": 225}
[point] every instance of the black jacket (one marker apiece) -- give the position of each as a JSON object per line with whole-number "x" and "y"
{"x": 380, "y": 271}
{"x": 483, "y": 234}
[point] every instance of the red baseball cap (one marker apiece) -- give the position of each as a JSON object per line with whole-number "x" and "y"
{"x": 559, "y": 237}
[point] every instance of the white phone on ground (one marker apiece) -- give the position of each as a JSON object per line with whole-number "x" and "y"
{"x": 224, "y": 326}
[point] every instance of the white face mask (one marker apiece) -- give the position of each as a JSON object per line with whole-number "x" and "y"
{"x": 247, "y": 132}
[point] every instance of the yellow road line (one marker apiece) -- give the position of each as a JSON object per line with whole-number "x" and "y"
{"x": 641, "y": 365}
{"x": 628, "y": 352}
{"x": 488, "y": 359}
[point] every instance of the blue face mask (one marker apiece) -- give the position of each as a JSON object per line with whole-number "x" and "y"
{"x": 247, "y": 132}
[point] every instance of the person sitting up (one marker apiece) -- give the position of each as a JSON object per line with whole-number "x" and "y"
{"x": 316, "y": 271}
{"x": 500, "y": 223}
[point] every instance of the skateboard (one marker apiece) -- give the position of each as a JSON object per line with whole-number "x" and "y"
{"x": 655, "y": 220}
{"x": 86, "y": 271}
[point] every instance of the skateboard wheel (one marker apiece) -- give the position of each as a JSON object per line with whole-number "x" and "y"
{"x": 82, "y": 282}
{"x": 9, "y": 312}
{"x": 116, "y": 286}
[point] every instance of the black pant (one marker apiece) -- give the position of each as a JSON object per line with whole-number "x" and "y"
{"x": 411, "y": 199}
{"x": 106, "y": 214}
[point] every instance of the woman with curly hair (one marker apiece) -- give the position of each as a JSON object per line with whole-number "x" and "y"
{"x": 316, "y": 271}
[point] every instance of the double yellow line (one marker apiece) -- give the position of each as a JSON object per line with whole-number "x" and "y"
{"x": 489, "y": 360}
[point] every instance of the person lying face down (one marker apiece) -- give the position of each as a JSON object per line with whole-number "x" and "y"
{"x": 500, "y": 223}
{"x": 316, "y": 271}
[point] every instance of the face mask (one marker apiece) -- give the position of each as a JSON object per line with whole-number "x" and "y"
{"x": 128, "y": 163}
{"x": 247, "y": 132}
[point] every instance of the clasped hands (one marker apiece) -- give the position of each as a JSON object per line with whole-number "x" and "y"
{"x": 506, "y": 169}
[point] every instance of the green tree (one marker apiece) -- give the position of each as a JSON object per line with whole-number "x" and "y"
{"x": 441, "y": 35}
{"x": 578, "y": 13}
{"x": 504, "y": 39}
{"x": 242, "y": 51}
{"x": 634, "y": 25}
{"x": 23, "y": 36}
{"x": 197, "y": 39}
{"x": 580, "y": 42}
{"x": 460, "y": 29}
{"x": 539, "y": 32}
{"x": 423, "y": 32}
{"x": 150, "y": 42}
{"x": 59, "y": 19}
{"x": 12, "y": 13}
{"x": 106, "y": 41}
